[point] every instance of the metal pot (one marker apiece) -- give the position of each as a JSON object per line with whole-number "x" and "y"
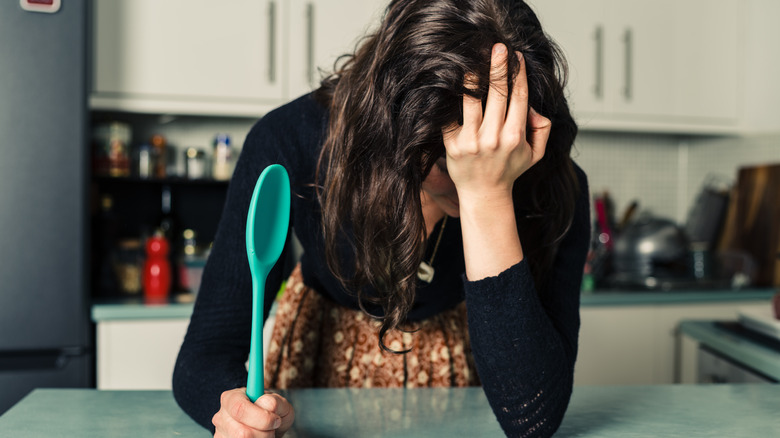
{"x": 651, "y": 247}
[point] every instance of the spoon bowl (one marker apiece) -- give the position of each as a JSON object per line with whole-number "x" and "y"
{"x": 266, "y": 233}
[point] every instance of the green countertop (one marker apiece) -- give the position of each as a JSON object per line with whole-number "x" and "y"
{"x": 739, "y": 348}
{"x": 181, "y": 307}
{"x": 619, "y": 411}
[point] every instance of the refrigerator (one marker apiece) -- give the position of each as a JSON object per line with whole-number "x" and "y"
{"x": 46, "y": 337}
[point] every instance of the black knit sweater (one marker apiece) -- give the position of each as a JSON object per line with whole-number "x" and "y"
{"x": 524, "y": 343}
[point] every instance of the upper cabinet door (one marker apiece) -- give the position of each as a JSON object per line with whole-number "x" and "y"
{"x": 642, "y": 57}
{"x": 663, "y": 65}
{"x": 709, "y": 59}
{"x": 579, "y": 29}
{"x": 230, "y": 51}
{"x": 321, "y": 31}
{"x": 678, "y": 59}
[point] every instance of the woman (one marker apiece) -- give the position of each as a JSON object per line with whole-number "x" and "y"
{"x": 443, "y": 223}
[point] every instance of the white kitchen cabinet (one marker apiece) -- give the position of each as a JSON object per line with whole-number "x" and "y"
{"x": 639, "y": 344}
{"x": 666, "y": 65}
{"x": 138, "y": 354}
{"x": 323, "y": 30}
{"x": 232, "y": 57}
{"x": 180, "y": 56}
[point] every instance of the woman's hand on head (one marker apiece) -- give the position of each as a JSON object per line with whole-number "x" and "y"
{"x": 491, "y": 150}
{"x": 269, "y": 417}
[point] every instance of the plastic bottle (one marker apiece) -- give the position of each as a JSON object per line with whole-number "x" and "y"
{"x": 157, "y": 268}
{"x": 222, "y": 163}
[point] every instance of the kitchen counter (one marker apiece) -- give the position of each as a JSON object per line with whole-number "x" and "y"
{"x": 595, "y": 411}
{"x": 753, "y": 351}
{"x": 182, "y": 306}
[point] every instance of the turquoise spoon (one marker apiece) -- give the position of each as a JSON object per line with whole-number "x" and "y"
{"x": 266, "y": 234}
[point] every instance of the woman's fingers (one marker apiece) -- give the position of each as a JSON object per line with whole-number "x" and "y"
{"x": 238, "y": 415}
{"x": 280, "y": 406}
{"x": 538, "y": 133}
{"x": 518, "y": 105}
{"x": 508, "y": 122}
{"x": 472, "y": 108}
{"x": 495, "y": 108}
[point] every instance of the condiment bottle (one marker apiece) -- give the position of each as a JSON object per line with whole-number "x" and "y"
{"x": 222, "y": 163}
{"x": 160, "y": 152}
{"x": 157, "y": 269}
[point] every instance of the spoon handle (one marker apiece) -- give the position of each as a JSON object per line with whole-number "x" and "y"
{"x": 254, "y": 381}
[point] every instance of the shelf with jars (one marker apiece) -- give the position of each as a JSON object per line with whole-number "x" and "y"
{"x": 137, "y": 192}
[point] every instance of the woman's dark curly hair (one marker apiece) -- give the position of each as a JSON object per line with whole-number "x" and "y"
{"x": 388, "y": 104}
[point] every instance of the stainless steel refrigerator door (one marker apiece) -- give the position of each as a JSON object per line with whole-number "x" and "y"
{"x": 43, "y": 174}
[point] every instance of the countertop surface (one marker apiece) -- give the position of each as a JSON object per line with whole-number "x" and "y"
{"x": 181, "y": 306}
{"x": 595, "y": 411}
{"x": 753, "y": 350}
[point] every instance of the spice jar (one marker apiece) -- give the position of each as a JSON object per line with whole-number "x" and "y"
{"x": 111, "y": 143}
{"x": 128, "y": 262}
{"x": 195, "y": 161}
{"x": 223, "y": 159}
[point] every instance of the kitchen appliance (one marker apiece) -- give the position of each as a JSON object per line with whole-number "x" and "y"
{"x": 651, "y": 253}
{"x": 45, "y": 331}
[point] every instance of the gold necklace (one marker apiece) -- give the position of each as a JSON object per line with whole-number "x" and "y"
{"x": 425, "y": 271}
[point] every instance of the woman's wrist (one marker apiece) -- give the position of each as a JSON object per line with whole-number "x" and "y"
{"x": 491, "y": 243}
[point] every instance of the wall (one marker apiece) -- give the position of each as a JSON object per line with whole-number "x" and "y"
{"x": 724, "y": 156}
{"x": 642, "y": 167}
{"x": 666, "y": 172}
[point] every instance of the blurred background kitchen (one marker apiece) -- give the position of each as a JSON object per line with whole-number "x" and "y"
{"x": 122, "y": 121}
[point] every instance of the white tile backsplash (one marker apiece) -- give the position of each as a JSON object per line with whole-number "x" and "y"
{"x": 722, "y": 157}
{"x": 666, "y": 172}
{"x": 632, "y": 167}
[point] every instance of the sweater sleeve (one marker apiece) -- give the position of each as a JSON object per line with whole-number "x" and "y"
{"x": 524, "y": 342}
{"x": 215, "y": 349}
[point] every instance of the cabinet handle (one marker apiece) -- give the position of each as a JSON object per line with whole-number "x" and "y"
{"x": 628, "y": 41}
{"x": 598, "y": 87}
{"x": 310, "y": 43}
{"x": 272, "y": 42}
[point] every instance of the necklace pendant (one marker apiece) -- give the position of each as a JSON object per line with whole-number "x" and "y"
{"x": 425, "y": 272}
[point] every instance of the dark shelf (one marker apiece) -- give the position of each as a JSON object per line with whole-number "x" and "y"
{"x": 178, "y": 181}
{"x": 136, "y": 213}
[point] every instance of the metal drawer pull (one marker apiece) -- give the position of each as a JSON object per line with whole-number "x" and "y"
{"x": 272, "y": 42}
{"x": 310, "y": 43}
{"x": 628, "y": 40}
{"x": 598, "y": 87}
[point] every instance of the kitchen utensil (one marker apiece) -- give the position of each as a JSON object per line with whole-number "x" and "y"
{"x": 650, "y": 248}
{"x": 266, "y": 234}
{"x": 705, "y": 218}
{"x": 606, "y": 236}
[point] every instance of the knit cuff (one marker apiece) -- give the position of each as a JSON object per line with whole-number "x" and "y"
{"x": 509, "y": 288}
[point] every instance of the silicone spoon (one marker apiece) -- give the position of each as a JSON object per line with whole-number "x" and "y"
{"x": 266, "y": 234}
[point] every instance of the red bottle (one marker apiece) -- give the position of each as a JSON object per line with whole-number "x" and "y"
{"x": 157, "y": 269}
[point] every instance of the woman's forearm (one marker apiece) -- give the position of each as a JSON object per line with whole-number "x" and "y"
{"x": 491, "y": 243}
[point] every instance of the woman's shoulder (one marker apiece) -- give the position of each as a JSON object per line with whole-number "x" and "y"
{"x": 301, "y": 117}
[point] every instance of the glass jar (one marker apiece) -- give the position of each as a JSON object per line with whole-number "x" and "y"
{"x": 128, "y": 262}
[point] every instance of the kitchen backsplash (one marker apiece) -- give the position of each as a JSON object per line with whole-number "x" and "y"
{"x": 664, "y": 173}
{"x": 725, "y": 155}
{"x": 631, "y": 167}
